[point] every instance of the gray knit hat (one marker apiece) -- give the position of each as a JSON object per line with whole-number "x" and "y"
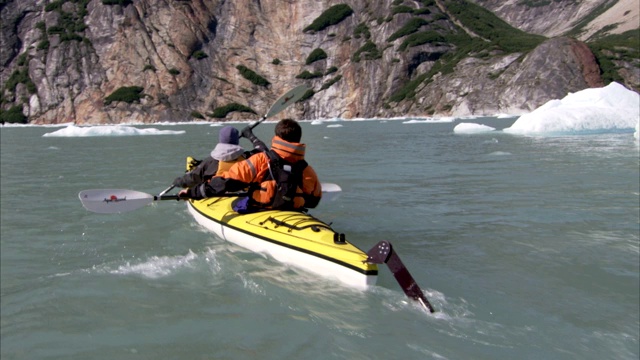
{"x": 229, "y": 135}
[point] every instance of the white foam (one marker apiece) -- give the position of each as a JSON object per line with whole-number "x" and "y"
{"x": 158, "y": 266}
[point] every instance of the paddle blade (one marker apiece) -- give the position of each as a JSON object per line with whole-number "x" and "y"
{"x": 330, "y": 191}
{"x": 287, "y": 99}
{"x": 113, "y": 201}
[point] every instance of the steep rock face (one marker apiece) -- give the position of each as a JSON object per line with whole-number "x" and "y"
{"x": 586, "y": 20}
{"x": 149, "y": 44}
{"x": 513, "y": 83}
{"x": 586, "y": 17}
{"x": 186, "y": 56}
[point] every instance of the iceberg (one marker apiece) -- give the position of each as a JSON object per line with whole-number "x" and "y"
{"x": 108, "y": 130}
{"x": 612, "y": 108}
{"x": 471, "y": 128}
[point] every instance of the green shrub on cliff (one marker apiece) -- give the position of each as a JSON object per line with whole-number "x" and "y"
{"x": 331, "y": 16}
{"x": 402, "y": 9}
{"x": 117, "y": 2}
{"x": 408, "y": 90}
{"x": 421, "y": 38}
{"x": 331, "y": 70}
{"x": 409, "y": 27}
{"x": 362, "y": 30}
{"x": 252, "y": 76}
{"x": 55, "y": 5}
{"x": 615, "y": 48}
{"x": 43, "y": 45}
{"x": 307, "y": 95}
{"x": 197, "y": 115}
{"x": 199, "y": 55}
{"x": 20, "y": 76}
{"x": 330, "y": 82}
{"x": 316, "y": 55}
{"x": 306, "y": 75}
{"x": 222, "y": 111}
{"x": 126, "y": 94}
{"x": 70, "y": 23}
{"x": 369, "y": 51}
{"x": 488, "y": 26}
{"x": 13, "y": 115}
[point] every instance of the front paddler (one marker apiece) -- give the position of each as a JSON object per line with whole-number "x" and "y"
{"x": 278, "y": 178}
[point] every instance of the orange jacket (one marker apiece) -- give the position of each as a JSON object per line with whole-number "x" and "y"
{"x": 255, "y": 169}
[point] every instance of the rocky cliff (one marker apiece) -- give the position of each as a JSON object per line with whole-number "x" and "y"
{"x": 112, "y": 61}
{"x": 584, "y": 20}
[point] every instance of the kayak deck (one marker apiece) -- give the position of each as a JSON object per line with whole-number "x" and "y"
{"x": 290, "y": 237}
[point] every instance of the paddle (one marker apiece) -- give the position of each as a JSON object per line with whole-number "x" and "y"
{"x": 166, "y": 190}
{"x": 113, "y": 201}
{"x": 283, "y": 102}
{"x": 383, "y": 253}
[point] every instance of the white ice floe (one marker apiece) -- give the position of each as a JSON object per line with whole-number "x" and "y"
{"x": 613, "y": 108}
{"x": 471, "y": 128}
{"x": 108, "y": 130}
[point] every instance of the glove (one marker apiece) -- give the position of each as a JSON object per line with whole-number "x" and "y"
{"x": 257, "y": 143}
{"x": 178, "y": 182}
{"x": 259, "y": 146}
{"x": 247, "y": 133}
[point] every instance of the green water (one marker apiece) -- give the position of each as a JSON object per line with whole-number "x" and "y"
{"x": 528, "y": 247}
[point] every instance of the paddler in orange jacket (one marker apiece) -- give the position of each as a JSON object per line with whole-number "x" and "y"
{"x": 279, "y": 178}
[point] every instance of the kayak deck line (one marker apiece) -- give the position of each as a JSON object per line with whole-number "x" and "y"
{"x": 296, "y": 226}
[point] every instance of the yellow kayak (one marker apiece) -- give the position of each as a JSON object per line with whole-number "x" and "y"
{"x": 291, "y": 237}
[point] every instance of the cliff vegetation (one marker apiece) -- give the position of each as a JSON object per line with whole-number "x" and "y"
{"x": 113, "y": 61}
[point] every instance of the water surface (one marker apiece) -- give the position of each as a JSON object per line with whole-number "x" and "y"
{"x": 528, "y": 247}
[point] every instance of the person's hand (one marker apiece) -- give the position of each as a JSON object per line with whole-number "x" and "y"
{"x": 183, "y": 194}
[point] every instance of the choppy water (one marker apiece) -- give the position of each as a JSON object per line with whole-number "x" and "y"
{"x": 528, "y": 247}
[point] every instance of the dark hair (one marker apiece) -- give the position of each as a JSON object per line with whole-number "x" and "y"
{"x": 289, "y": 130}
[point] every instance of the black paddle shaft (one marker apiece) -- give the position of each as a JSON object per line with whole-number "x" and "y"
{"x": 383, "y": 252}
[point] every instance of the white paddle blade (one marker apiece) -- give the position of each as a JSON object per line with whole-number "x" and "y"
{"x": 113, "y": 201}
{"x": 330, "y": 191}
{"x": 287, "y": 99}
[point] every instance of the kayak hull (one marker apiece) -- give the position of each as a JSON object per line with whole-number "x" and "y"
{"x": 291, "y": 237}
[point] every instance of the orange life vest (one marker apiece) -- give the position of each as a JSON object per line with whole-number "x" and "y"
{"x": 224, "y": 166}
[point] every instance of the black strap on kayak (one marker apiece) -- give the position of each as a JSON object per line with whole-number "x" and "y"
{"x": 296, "y": 226}
{"x": 382, "y": 253}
